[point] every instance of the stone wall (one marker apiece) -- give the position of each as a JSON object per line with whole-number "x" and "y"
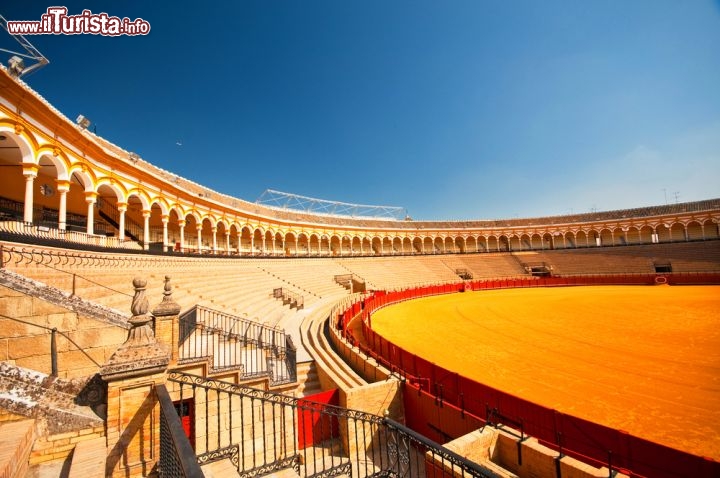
{"x": 59, "y": 446}
{"x": 29, "y": 346}
{"x": 498, "y": 451}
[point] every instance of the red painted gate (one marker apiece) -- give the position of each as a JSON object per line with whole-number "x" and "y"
{"x": 315, "y": 427}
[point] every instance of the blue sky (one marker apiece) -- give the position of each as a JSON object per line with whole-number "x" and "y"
{"x": 453, "y": 110}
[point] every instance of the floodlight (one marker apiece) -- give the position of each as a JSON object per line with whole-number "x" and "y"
{"x": 16, "y": 66}
{"x": 82, "y": 121}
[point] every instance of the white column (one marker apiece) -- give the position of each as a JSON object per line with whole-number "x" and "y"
{"x": 214, "y": 243}
{"x": 263, "y": 246}
{"x": 62, "y": 188}
{"x": 227, "y": 242}
{"x": 181, "y": 225}
{"x": 146, "y": 230}
{"x": 252, "y": 244}
{"x": 165, "y": 218}
{"x": 90, "y": 199}
{"x": 121, "y": 207}
{"x": 30, "y": 173}
{"x": 199, "y": 234}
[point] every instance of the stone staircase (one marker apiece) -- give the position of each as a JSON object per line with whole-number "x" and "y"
{"x": 307, "y": 379}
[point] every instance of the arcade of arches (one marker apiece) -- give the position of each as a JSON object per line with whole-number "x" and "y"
{"x": 79, "y": 185}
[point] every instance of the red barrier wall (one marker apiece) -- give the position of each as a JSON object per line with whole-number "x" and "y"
{"x": 442, "y": 404}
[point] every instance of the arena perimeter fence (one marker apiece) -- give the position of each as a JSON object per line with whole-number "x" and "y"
{"x": 439, "y": 402}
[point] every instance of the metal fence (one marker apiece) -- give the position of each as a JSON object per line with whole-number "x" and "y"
{"x": 234, "y": 343}
{"x": 261, "y": 432}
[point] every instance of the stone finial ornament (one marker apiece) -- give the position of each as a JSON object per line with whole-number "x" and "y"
{"x": 140, "y": 304}
{"x": 168, "y": 306}
{"x": 141, "y": 332}
{"x": 141, "y": 354}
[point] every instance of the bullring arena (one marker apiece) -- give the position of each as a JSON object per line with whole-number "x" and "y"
{"x": 625, "y": 356}
{"x": 152, "y": 327}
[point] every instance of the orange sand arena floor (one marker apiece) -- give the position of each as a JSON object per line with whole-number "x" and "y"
{"x": 638, "y": 358}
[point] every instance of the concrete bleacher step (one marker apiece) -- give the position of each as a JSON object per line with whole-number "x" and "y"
{"x": 88, "y": 459}
{"x": 308, "y": 379}
{"x": 16, "y": 442}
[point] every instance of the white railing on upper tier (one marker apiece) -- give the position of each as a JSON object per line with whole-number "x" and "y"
{"x": 44, "y": 232}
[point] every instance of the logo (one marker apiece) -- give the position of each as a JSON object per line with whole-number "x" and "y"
{"x": 56, "y": 21}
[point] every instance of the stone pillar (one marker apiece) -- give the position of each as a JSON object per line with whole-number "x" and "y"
{"x": 214, "y": 243}
{"x": 63, "y": 187}
{"x": 133, "y": 413}
{"x": 181, "y": 225}
{"x": 30, "y": 173}
{"x": 90, "y": 197}
{"x": 199, "y": 239}
{"x": 167, "y": 328}
{"x": 121, "y": 207}
{"x": 165, "y": 219}
{"x": 227, "y": 242}
{"x": 146, "y": 229}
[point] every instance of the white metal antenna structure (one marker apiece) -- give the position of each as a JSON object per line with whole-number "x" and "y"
{"x": 296, "y": 202}
{"x": 16, "y": 63}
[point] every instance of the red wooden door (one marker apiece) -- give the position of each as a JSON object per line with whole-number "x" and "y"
{"x": 186, "y": 412}
{"x": 314, "y": 427}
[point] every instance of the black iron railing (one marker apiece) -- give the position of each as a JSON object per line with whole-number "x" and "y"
{"x": 261, "y": 432}
{"x": 177, "y": 458}
{"x": 234, "y": 343}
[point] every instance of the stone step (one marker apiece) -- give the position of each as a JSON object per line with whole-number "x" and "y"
{"x": 285, "y": 473}
{"x": 16, "y": 441}
{"x": 89, "y": 458}
{"x": 220, "y": 469}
